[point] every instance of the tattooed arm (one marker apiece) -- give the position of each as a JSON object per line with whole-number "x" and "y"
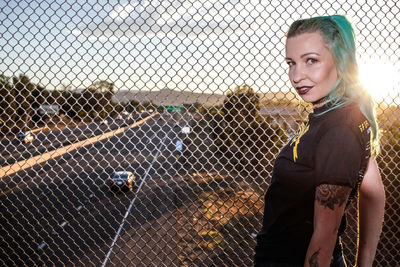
{"x": 371, "y": 211}
{"x": 330, "y": 201}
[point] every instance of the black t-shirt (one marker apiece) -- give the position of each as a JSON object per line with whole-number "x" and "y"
{"x": 329, "y": 148}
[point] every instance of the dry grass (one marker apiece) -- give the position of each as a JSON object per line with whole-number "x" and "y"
{"x": 217, "y": 225}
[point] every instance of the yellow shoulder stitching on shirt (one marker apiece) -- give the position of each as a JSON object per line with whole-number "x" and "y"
{"x": 303, "y": 129}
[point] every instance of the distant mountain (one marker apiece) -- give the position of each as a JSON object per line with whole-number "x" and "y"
{"x": 174, "y": 98}
{"x": 169, "y": 97}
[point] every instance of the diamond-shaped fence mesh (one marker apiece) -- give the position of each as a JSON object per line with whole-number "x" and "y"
{"x": 191, "y": 100}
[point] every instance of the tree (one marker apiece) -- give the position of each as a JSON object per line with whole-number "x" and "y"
{"x": 23, "y": 87}
{"x": 102, "y": 87}
{"x": 38, "y": 99}
{"x": 69, "y": 105}
{"x": 93, "y": 102}
{"x": 147, "y": 105}
{"x": 99, "y": 98}
{"x": 8, "y": 104}
{"x": 132, "y": 106}
{"x": 389, "y": 157}
{"x": 20, "y": 100}
{"x": 246, "y": 139}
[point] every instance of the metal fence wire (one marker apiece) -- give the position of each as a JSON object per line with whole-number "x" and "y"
{"x": 143, "y": 133}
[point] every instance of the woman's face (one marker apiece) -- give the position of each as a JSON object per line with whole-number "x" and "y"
{"x": 312, "y": 69}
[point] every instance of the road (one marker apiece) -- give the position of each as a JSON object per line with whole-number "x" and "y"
{"x": 61, "y": 213}
{"x": 12, "y": 149}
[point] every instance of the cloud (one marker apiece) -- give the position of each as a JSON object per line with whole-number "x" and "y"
{"x": 171, "y": 18}
{"x": 121, "y": 12}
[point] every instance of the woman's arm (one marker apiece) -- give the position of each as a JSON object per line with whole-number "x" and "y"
{"x": 329, "y": 205}
{"x": 371, "y": 211}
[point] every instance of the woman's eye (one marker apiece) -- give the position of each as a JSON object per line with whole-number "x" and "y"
{"x": 290, "y": 63}
{"x": 311, "y": 60}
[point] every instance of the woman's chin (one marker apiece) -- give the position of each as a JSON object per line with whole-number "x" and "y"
{"x": 307, "y": 99}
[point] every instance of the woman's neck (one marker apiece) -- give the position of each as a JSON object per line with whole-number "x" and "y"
{"x": 320, "y": 102}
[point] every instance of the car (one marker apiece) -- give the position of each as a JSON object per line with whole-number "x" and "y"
{"x": 25, "y": 137}
{"x": 122, "y": 180}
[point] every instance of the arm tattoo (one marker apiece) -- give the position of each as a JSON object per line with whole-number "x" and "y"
{"x": 328, "y": 195}
{"x": 313, "y": 261}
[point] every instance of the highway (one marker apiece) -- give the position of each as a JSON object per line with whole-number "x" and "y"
{"x": 60, "y": 212}
{"x": 12, "y": 149}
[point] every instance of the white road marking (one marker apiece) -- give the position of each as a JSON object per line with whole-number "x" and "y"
{"x": 130, "y": 206}
{"x": 79, "y": 207}
{"x": 149, "y": 139}
{"x": 63, "y": 224}
{"x": 41, "y": 246}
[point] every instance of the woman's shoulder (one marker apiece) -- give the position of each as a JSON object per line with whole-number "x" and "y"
{"x": 348, "y": 116}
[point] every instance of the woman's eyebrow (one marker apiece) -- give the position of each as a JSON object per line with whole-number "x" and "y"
{"x": 304, "y": 55}
{"x": 310, "y": 53}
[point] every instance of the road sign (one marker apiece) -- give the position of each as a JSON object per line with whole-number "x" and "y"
{"x": 173, "y": 108}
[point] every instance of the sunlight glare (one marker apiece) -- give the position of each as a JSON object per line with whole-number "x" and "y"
{"x": 380, "y": 78}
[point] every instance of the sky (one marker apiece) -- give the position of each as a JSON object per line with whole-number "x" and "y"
{"x": 199, "y": 45}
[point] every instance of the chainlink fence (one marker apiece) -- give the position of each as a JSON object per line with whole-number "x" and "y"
{"x": 192, "y": 97}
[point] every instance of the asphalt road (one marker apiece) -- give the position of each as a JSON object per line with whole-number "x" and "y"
{"x": 62, "y": 213}
{"x": 12, "y": 149}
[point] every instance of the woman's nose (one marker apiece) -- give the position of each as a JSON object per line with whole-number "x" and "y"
{"x": 297, "y": 74}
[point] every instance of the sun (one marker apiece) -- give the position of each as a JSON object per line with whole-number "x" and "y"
{"x": 381, "y": 79}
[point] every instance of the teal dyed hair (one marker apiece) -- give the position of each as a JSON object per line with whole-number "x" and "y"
{"x": 339, "y": 38}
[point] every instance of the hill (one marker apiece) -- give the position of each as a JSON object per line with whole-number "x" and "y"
{"x": 174, "y": 97}
{"x": 169, "y": 97}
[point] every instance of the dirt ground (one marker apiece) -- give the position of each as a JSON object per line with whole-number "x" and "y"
{"x": 217, "y": 228}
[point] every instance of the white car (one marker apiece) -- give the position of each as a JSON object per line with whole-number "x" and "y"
{"x": 123, "y": 180}
{"x": 26, "y": 137}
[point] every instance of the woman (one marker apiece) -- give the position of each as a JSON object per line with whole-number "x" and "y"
{"x": 330, "y": 159}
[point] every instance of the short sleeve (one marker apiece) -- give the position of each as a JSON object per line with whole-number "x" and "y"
{"x": 338, "y": 157}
